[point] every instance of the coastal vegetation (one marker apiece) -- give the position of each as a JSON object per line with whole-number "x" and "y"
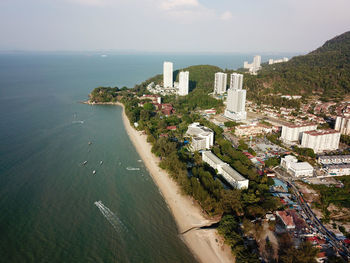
{"x": 105, "y": 94}
{"x": 198, "y": 179}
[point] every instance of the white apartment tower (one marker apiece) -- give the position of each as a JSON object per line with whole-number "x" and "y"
{"x": 168, "y": 74}
{"x": 254, "y": 66}
{"x": 342, "y": 125}
{"x": 236, "y": 97}
{"x": 183, "y": 83}
{"x": 220, "y": 83}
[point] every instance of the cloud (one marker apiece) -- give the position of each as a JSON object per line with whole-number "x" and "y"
{"x": 226, "y": 16}
{"x": 90, "y": 2}
{"x": 178, "y": 4}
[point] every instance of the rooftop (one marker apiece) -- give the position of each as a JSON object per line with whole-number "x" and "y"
{"x": 339, "y": 166}
{"x": 233, "y": 173}
{"x": 301, "y": 166}
{"x": 212, "y": 157}
{"x": 321, "y": 132}
{"x": 300, "y": 125}
{"x": 334, "y": 157}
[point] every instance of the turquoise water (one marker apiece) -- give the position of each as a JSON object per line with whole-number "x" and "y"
{"x": 46, "y": 195}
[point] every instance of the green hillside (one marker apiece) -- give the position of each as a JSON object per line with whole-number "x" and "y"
{"x": 324, "y": 71}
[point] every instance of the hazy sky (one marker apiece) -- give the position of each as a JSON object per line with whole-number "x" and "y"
{"x": 171, "y": 25}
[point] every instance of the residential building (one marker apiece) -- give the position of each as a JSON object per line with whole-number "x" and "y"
{"x": 168, "y": 74}
{"x": 183, "y": 83}
{"x": 337, "y": 169}
{"x": 292, "y": 133}
{"x": 252, "y": 130}
{"x": 236, "y": 98}
{"x": 220, "y": 83}
{"x": 274, "y": 61}
{"x": 211, "y": 159}
{"x": 286, "y": 219}
{"x": 321, "y": 140}
{"x": 342, "y": 124}
{"x": 254, "y": 66}
{"x": 231, "y": 176}
{"x": 295, "y": 168}
{"x": 202, "y": 137}
{"x": 335, "y": 159}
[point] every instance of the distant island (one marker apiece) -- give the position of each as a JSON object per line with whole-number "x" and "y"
{"x": 306, "y": 88}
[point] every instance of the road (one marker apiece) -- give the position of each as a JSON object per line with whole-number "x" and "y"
{"x": 337, "y": 244}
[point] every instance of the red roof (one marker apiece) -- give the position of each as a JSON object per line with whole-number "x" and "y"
{"x": 347, "y": 241}
{"x": 321, "y": 255}
{"x": 171, "y": 128}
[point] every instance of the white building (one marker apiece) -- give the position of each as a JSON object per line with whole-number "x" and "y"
{"x": 220, "y": 83}
{"x": 292, "y": 134}
{"x": 334, "y": 159}
{"x": 274, "y": 61}
{"x": 342, "y": 125}
{"x": 202, "y": 137}
{"x": 168, "y": 74}
{"x": 211, "y": 159}
{"x": 184, "y": 83}
{"x": 321, "y": 140}
{"x": 254, "y": 66}
{"x": 230, "y": 175}
{"x": 295, "y": 168}
{"x": 236, "y": 98}
{"x": 338, "y": 169}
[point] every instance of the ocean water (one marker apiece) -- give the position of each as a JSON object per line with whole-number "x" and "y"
{"x": 47, "y": 196}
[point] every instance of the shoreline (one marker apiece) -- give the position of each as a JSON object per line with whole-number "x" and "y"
{"x": 205, "y": 244}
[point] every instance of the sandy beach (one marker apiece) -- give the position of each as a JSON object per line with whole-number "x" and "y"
{"x": 205, "y": 244}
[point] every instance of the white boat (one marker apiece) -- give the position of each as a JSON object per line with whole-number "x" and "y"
{"x": 94, "y": 171}
{"x": 85, "y": 162}
{"x": 101, "y": 162}
{"x": 132, "y": 168}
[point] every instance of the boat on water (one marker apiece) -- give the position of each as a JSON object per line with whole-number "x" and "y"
{"x": 94, "y": 172}
{"x": 101, "y": 162}
{"x": 85, "y": 162}
{"x": 89, "y": 143}
{"x": 132, "y": 168}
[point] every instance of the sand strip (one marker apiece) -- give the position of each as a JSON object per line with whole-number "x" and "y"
{"x": 206, "y": 245}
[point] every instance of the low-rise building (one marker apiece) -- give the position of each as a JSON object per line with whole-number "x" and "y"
{"x": 231, "y": 176}
{"x": 335, "y": 159}
{"x": 202, "y": 137}
{"x": 252, "y": 130}
{"x": 301, "y": 169}
{"x": 338, "y": 169}
{"x": 321, "y": 140}
{"x": 234, "y": 178}
{"x": 286, "y": 219}
{"x": 295, "y": 168}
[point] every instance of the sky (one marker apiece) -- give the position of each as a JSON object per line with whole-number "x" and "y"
{"x": 171, "y": 25}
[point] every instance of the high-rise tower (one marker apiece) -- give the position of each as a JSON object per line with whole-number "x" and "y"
{"x": 183, "y": 83}
{"x": 220, "y": 83}
{"x": 168, "y": 74}
{"x": 236, "y": 97}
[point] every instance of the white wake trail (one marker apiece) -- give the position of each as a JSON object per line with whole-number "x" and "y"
{"x": 111, "y": 217}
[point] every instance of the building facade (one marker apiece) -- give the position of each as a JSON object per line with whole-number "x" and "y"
{"x": 254, "y": 66}
{"x": 220, "y": 83}
{"x": 321, "y": 140}
{"x": 202, "y": 137}
{"x": 292, "y": 134}
{"x": 236, "y": 99}
{"x": 295, "y": 168}
{"x": 231, "y": 176}
{"x": 184, "y": 83}
{"x": 342, "y": 125}
{"x": 168, "y": 74}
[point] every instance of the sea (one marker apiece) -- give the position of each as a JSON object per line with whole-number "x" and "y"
{"x": 53, "y": 208}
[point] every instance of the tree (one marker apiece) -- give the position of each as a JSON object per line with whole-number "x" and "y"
{"x": 148, "y": 106}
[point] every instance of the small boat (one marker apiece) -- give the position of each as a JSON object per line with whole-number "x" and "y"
{"x": 94, "y": 172}
{"x": 101, "y": 162}
{"x": 85, "y": 162}
{"x": 89, "y": 143}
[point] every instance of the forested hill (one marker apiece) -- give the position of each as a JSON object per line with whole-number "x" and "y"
{"x": 324, "y": 71}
